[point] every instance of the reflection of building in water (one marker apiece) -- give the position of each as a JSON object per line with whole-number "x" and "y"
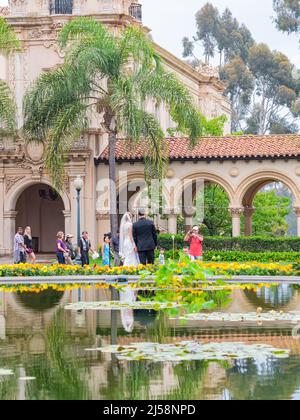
{"x": 282, "y": 297}
{"x": 26, "y": 338}
{"x": 275, "y": 297}
{"x": 2, "y": 317}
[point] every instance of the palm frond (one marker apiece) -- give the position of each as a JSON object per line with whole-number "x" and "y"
{"x": 156, "y": 162}
{"x": 138, "y": 125}
{"x": 68, "y": 126}
{"x": 51, "y": 93}
{"x": 126, "y": 106}
{"x": 7, "y": 109}
{"x": 136, "y": 46}
{"x": 8, "y": 40}
{"x": 82, "y": 27}
{"x": 165, "y": 87}
{"x": 93, "y": 49}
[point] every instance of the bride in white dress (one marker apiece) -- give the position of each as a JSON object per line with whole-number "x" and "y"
{"x": 127, "y": 245}
{"x": 130, "y": 258}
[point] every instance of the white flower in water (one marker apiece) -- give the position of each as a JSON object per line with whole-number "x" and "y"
{"x": 273, "y": 316}
{"x": 6, "y": 372}
{"x": 191, "y": 350}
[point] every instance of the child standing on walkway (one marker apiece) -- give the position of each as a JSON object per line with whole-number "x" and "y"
{"x": 106, "y": 251}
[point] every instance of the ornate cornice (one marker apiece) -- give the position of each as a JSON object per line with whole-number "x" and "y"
{"x": 4, "y": 11}
{"x": 10, "y": 181}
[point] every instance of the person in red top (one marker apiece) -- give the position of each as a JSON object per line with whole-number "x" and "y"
{"x": 196, "y": 244}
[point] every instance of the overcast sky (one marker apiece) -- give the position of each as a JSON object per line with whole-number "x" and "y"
{"x": 171, "y": 20}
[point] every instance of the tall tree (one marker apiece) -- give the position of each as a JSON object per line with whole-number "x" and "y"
{"x": 8, "y": 44}
{"x": 233, "y": 39}
{"x": 207, "y": 21}
{"x": 288, "y": 15}
{"x": 221, "y": 33}
{"x": 217, "y": 218}
{"x": 240, "y": 84}
{"x": 112, "y": 75}
{"x": 276, "y": 89}
{"x": 263, "y": 85}
{"x": 272, "y": 207}
{"x": 270, "y": 214}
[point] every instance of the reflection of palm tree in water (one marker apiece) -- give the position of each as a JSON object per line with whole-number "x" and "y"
{"x": 60, "y": 374}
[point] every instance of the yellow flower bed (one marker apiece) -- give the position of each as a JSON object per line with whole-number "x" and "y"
{"x": 219, "y": 268}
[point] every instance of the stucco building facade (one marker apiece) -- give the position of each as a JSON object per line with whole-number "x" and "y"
{"x": 26, "y": 193}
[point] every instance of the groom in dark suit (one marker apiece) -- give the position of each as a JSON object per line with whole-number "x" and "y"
{"x": 145, "y": 238}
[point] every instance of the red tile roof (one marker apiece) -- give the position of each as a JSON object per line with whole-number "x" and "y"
{"x": 215, "y": 148}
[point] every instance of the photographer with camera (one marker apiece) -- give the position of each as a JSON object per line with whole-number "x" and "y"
{"x": 195, "y": 240}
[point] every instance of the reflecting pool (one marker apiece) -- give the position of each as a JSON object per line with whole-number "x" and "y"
{"x": 43, "y": 349}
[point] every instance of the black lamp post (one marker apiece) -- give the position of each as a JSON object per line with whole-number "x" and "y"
{"x": 78, "y": 184}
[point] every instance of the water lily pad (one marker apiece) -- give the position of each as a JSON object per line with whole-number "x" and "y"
{"x": 117, "y": 305}
{"x": 292, "y": 317}
{"x": 192, "y": 350}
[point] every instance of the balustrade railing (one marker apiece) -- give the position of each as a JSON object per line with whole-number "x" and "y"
{"x": 135, "y": 10}
{"x": 61, "y": 7}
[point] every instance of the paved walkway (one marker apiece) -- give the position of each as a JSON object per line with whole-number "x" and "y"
{"x": 41, "y": 259}
{"x": 133, "y": 279}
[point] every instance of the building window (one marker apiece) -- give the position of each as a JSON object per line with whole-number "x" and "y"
{"x": 135, "y": 10}
{"x": 61, "y": 7}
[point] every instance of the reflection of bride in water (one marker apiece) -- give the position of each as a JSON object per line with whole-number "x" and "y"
{"x": 127, "y": 295}
{"x": 130, "y": 258}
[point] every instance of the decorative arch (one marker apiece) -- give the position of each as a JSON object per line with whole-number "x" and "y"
{"x": 13, "y": 195}
{"x": 252, "y": 184}
{"x": 139, "y": 176}
{"x": 206, "y": 176}
{"x": 187, "y": 182}
{"x": 11, "y": 215}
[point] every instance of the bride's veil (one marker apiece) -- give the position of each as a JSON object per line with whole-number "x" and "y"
{"x": 126, "y": 219}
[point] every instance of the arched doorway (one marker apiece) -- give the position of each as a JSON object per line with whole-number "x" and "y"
{"x": 41, "y": 207}
{"x": 268, "y": 210}
{"x": 205, "y": 200}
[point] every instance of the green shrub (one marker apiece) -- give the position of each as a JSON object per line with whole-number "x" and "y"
{"x": 245, "y": 244}
{"x": 241, "y": 256}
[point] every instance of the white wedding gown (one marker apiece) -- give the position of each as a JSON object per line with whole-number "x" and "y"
{"x": 127, "y": 251}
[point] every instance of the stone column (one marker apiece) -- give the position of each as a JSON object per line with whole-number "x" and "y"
{"x": 297, "y": 213}
{"x": 236, "y": 213}
{"x": 2, "y": 316}
{"x": 172, "y": 224}
{"x": 67, "y": 215}
{"x": 248, "y": 212}
{"x": 9, "y": 230}
{"x": 103, "y": 226}
{"x": 188, "y": 223}
{"x": 1, "y": 214}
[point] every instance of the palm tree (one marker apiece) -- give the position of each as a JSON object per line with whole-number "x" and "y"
{"x": 112, "y": 76}
{"x": 8, "y": 44}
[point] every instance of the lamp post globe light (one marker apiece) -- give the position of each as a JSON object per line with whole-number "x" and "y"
{"x": 78, "y": 184}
